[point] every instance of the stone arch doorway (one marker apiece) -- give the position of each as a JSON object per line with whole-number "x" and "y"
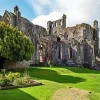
{"x": 42, "y": 53}
{"x": 58, "y": 39}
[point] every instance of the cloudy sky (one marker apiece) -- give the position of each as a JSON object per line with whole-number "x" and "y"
{"x": 77, "y": 11}
{"x": 41, "y": 11}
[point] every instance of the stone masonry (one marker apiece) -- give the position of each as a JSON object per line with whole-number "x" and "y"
{"x": 73, "y": 46}
{"x": 34, "y": 32}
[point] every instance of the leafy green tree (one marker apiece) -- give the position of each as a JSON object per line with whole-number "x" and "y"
{"x": 14, "y": 45}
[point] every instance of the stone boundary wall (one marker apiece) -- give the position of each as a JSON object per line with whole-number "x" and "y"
{"x": 14, "y": 65}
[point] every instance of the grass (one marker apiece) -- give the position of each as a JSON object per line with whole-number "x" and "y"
{"x": 53, "y": 79}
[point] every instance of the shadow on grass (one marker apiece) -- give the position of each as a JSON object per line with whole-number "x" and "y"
{"x": 15, "y": 94}
{"x": 52, "y": 75}
{"x": 81, "y": 70}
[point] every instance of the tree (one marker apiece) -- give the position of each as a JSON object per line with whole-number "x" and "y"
{"x": 14, "y": 45}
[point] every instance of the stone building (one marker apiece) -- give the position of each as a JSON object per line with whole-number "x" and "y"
{"x": 34, "y": 32}
{"x": 74, "y": 46}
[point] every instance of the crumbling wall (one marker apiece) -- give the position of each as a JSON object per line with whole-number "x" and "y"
{"x": 34, "y": 32}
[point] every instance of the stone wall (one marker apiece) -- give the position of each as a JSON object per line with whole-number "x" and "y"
{"x": 15, "y": 65}
{"x": 81, "y": 41}
{"x": 34, "y": 32}
{"x": 77, "y": 45}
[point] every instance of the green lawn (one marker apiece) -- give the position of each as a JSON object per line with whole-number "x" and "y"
{"x": 53, "y": 79}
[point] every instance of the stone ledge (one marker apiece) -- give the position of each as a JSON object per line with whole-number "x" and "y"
{"x": 20, "y": 86}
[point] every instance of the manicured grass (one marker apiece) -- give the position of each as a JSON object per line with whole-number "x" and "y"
{"x": 55, "y": 78}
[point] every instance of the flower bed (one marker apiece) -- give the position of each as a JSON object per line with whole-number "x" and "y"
{"x": 12, "y": 80}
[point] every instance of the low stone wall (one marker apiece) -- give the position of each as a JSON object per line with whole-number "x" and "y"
{"x": 15, "y": 65}
{"x": 21, "y": 86}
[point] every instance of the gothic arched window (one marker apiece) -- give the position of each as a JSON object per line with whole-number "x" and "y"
{"x": 70, "y": 53}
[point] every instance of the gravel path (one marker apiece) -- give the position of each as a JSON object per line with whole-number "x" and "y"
{"x": 71, "y": 94}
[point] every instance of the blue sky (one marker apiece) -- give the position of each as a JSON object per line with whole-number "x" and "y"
{"x": 41, "y": 11}
{"x": 24, "y": 6}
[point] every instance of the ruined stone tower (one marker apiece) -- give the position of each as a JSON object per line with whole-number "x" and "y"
{"x": 53, "y": 26}
{"x": 35, "y": 33}
{"x": 96, "y": 37}
{"x": 77, "y": 45}
{"x": 17, "y": 17}
{"x": 73, "y": 46}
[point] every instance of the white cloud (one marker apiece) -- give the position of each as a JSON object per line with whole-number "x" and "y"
{"x": 77, "y": 11}
{"x": 42, "y": 20}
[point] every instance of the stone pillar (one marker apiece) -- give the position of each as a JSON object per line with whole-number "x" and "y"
{"x": 49, "y": 27}
{"x": 17, "y": 16}
{"x": 38, "y": 53}
{"x": 97, "y": 39}
{"x": 95, "y": 24}
{"x": 64, "y": 20}
{"x": 81, "y": 53}
{"x": 66, "y": 51}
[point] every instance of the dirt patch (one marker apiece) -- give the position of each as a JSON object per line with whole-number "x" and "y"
{"x": 71, "y": 94}
{"x": 92, "y": 76}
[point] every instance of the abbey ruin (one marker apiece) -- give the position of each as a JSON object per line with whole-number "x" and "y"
{"x": 61, "y": 45}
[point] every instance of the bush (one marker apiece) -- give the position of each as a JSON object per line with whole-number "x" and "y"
{"x": 19, "y": 81}
{"x": 14, "y": 45}
{"x": 4, "y": 81}
{"x": 12, "y": 76}
{"x": 15, "y": 79}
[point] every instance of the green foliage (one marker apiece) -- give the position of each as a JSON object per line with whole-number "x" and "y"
{"x": 24, "y": 80}
{"x": 26, "y": 74}
{"x": 49, "y": 63}
{"x": 4, "y": 81}
{"x": 15, "y": 79}
{"x": 12, "y": 76}
{"x": 8, "y": 78}
{"x": 3, "y": 71}
{"x": 54, "y": 79}
{"x": 14, "y": 45}
{"x": 19, "y": 81}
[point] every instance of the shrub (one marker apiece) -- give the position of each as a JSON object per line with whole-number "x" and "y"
{"x": 14, "y": 45}
{"x": 19, "y": 81}
{"x": 4, "y": 81}
{"x": 26, "y": 74}
{"x": 15, "y": 79}
{"x": 22, "y": 81}
{"x": 12, "y": 76}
